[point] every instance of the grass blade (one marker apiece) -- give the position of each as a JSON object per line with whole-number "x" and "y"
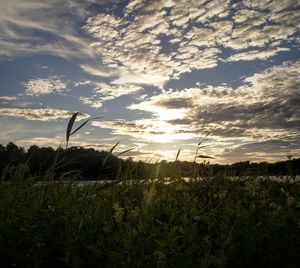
{"x": 124, "y": 152}
{"x": 70, "y": 126}
{"x": 112, "y": 148}
{"x": 4, "y": 173}
{"x": 204, "y": 139}
{"x": 110, "y": 153}
{"x": 205, "y": 156}
{"x": 204, "y": 146}
{"x": 201, "y": 141}
{"x": 177, "y": 155}
{"x": 84, "y": 123}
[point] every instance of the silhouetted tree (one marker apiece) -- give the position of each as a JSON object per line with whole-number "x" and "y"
{"x": 92, "y": 164}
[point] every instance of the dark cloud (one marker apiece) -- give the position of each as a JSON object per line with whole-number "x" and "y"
{"x": 36, "y": 114}
{"x": 185, "y": 121}
{"x": 175, "y": 103}
{"x": 272, "y": 150}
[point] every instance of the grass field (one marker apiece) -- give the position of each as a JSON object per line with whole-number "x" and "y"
{"x": 217, "y": 222}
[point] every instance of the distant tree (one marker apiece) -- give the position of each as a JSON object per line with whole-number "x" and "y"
{"x": 93, "y": 164}
{"x": 11, "y": 148}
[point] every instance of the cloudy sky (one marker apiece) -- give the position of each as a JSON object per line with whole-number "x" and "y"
{"x": 162, "y": 73}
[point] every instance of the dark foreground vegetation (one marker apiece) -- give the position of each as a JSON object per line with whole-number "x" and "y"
{"x": 216, "y": 222}
{"x": 92, "y": 164}
{"x": 48, "y": 220}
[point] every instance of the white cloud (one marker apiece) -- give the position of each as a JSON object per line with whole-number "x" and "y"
{"x": 92, "y": 102}
{"x": 143, "y": 78}
{"x": 22, "y": 21}
{"x": 133, "y": 45}
{"x": 95, "y": 71}
{"x": 248, "y": 16}
{"x": 103, "y": 92}
{"x": 82, "y": 83}
{"x": 8, "y": 98}
{"x": 133, "y": 48}
{"x": 38, "y": 87}
{"x": 256, "y": 54}
{"x": 115, "y": 90}
{"x": 272, "y": 5}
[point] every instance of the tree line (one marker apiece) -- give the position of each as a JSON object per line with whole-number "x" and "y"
{"x": 92, "y": 164}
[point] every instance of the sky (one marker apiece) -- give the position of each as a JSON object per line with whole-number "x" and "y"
{"x": 161, "y": 73}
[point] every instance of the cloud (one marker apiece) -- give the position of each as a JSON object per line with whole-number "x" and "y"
{"x": 44, "y": 114}
{"x": 134, "y": 45}
{"x": 38, "y": 87}
{"x": 256, "y": 54}
{"x": 92, "y": 102}
{"x": 33, "y": 27}
{"x": 134, "y": 49}
{"x": 82, "y": 83}
{"x": 143, "y": 78}
{"x": 273, "y": 5}
{"x": 271, "y": 151}
{"x": 152, "y": 42}
{"x": 103, "y": 92}
{"x": 54, "y": 141}
{"x": 260, "y": 120}
{"x": 8, "y": 98}
{"x": 264, "y": 108}
{"x": 146, "y": 130}
{"x": 115, "y": 90}
{"x": 95, "y": 71}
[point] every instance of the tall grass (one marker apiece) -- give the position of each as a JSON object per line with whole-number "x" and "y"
{"x": 213, "y": 223}
{"x": 70, "y": 125}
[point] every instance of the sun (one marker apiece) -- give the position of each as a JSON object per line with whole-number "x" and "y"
{"x": 162, "y": 131}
